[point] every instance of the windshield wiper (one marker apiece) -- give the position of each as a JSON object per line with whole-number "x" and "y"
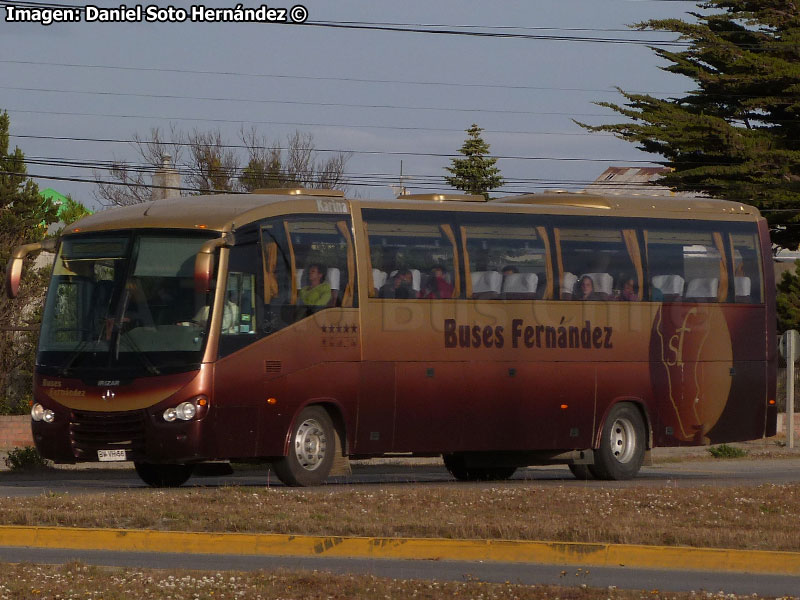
{"x": 64, "y": 370}
{"x": 146, "y": 362}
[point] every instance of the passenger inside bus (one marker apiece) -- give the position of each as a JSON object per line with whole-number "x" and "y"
{"x": 628, "y": 292}
{"x": 585, "y": 289}
{"x": 318, "y": 291}
{"x": 437, "y": 285}
{"x": 509, "y": 270}
{"x": 399, "y": 286}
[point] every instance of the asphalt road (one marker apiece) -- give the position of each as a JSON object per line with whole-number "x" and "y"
{"x": 687, "y": 473}
{"x": 526, "y": 574}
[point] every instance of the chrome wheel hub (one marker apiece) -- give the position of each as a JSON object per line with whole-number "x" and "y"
{"x": 623, "y": 440}
{"x": 310, "y": 444}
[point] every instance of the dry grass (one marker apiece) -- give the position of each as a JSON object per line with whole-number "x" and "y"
{"x": 74, "y": 581}
{"x": 751, "y": 517}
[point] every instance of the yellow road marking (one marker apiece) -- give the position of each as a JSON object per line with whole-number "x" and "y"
{"x": 562, "y": 553}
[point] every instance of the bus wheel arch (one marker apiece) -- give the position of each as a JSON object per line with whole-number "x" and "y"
{"x": 312, "y": 443}
{"x": 623, "y": 439}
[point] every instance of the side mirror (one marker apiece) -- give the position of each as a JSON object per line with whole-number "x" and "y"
{"x": 15, "y": 263}
{"x": 204, "y": 262}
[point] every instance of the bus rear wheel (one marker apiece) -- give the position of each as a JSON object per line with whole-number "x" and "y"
{"x": 161, "y": 476}
{"x": 456, "y": 464}
{"x": 311, "y": 450}
{"x": 622, "y": 444}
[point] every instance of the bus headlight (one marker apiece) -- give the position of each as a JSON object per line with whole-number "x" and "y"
{"x": 37, "y": 412}
{"x": 49, "y": 416}
{"x": 186, "y": 411}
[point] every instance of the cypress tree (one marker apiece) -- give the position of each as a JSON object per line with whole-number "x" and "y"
{"x": 737, "y": 135}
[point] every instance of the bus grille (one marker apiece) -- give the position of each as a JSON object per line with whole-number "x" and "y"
{"x": 93, "y": 431}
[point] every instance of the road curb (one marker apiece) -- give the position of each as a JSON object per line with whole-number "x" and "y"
{"x": 558, "y": 553}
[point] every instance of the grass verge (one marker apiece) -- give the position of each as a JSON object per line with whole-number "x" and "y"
{"x": 76, "y": 580}
{"x": 747, "y": 517}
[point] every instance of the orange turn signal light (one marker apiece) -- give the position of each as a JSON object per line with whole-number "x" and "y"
{"x": 772, "y": 402}
{"x": 202, "y": 402}
{"x": 564, "y": 406}
{"x": 272, "y": 401}
{"x": 200, "y": 226}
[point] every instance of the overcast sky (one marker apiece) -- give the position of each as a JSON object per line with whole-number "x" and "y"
{"x": 376, "y": 93}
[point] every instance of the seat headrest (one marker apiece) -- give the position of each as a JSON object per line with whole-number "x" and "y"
{"x": 520, "y": 283}
{"x": 486, "y": 281}
{"x": 379, "y": 278}
{"x": 742, "y": 285}
{"x": 669, "y": 284}
{"x": 333, "y": 277}
{"x": 568, "y": 282}
{"x": 702, "y": 287}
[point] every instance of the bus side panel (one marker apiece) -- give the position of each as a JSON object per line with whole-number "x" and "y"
{"x": 374, "y": 432}
{"x": 744, "y": 414}
{"x": 237, "y": 397}
{"x": 311, "y": 361}
{"x": 529, "y": 406}
{"x": 432, "y": 406}
{"x": 707, "y": 373}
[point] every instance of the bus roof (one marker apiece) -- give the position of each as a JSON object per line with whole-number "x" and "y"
{"x": 223, "y": 212}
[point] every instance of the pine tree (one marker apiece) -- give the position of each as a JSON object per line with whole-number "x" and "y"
{"x": 474, "y": 174}
{"x": 24, "y": 216}
{"x": 737, "y": 136}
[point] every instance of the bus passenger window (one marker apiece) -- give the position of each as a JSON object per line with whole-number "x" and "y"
{"x": 688, "y": 265}
{"x": 418, "y": 258}
{"x": 747, "y": 276}
{"x": 308, "y": 265}
{"x": 506, "y": 261}
{"x": 601, "y": 264}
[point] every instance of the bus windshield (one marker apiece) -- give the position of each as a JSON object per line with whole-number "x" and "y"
{"x": 123, "y": 305}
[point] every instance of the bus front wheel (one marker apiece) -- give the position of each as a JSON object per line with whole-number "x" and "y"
{"x": 622, "y": 444}
{"x": 160, "y": 476}
{"x": 311, "y": 450}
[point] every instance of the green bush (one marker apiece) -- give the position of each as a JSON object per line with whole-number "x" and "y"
{"x": 725, "y": 451}
{"x": 25, "y": 459}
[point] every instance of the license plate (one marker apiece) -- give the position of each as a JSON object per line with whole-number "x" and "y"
{"x": 109, "y": 455}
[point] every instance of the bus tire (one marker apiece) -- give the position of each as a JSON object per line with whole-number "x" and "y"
{"x": 163, "y": 476}
{"x": 582, "y": 472}
{"x": 312, "y": 446}
{"x": 622, "y": 444}
{"x": 457, "y": 466}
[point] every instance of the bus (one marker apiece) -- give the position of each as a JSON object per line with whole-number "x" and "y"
{"x": 303, "y": 329}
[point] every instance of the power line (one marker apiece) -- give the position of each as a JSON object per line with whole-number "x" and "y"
{"x": 324, "y": 78}
{"x": 461, "y": 31}
{"x": 185, "y": 169}
{"x": 263, "y": 101}
{"x": 339, "y": 150}
{"x": 292, "y": 102}
{"x": 503, "y": 35}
